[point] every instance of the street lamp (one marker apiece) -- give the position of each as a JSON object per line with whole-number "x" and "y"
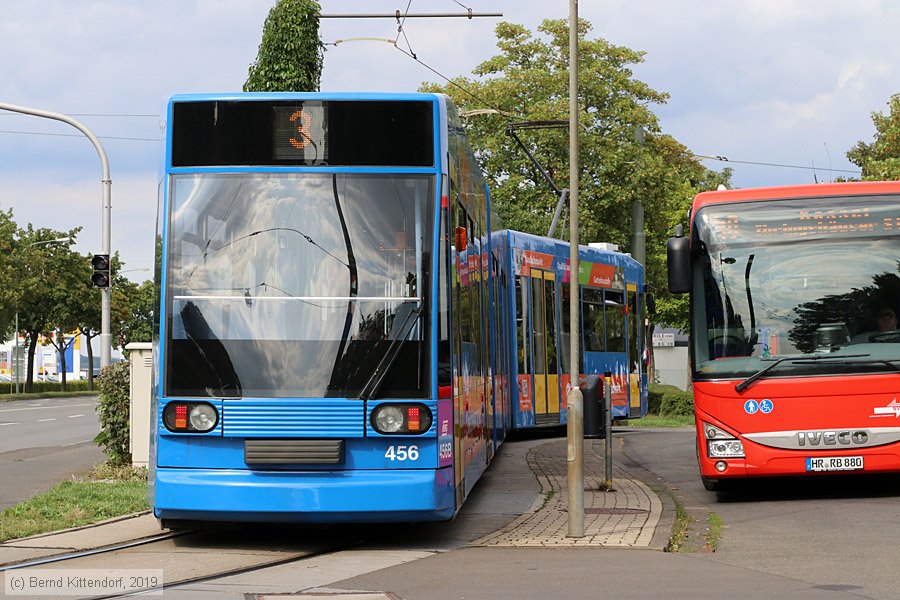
{"x": 16, "y": 346}
{"x": 106, "y": 182}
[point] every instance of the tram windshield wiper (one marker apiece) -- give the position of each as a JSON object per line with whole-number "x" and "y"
{"x": 796, "y": 358}
{"x": 390, "y": 357}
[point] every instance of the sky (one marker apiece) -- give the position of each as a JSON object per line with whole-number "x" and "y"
{"x": 780, "y": 82}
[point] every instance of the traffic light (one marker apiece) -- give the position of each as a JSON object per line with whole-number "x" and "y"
{"x": 100, "y": 278}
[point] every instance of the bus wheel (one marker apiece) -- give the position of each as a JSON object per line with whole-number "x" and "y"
{"x": 712, "y": 485}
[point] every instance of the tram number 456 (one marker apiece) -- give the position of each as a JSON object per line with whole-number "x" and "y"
{"x": 402, "y": 453}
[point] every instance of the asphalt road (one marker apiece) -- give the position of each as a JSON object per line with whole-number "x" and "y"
{"x": 44, "y": 442}
{"x": 838, "y": 533}
{"x": 831, "y": 538}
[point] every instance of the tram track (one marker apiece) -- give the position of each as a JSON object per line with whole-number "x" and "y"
{"x": 62, "y": 557}
{"x": 192, "y": 556}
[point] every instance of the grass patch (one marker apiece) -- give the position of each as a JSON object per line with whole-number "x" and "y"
{"x": 713, "y": 534}
{"x": 548, "y": 496}
{"x": 107, "y": 492}
{"x": 662, "y": 422}
{"x": 680, "y": 529}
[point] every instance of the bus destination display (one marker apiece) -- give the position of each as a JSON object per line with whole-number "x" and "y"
{"x": 800, "y": 219}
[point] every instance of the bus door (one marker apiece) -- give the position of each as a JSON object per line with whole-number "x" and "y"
{"x": 543, "y": 322}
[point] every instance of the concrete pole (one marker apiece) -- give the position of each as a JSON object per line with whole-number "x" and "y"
{"x": 638, "y": 246}
{"x": 105, "y": 293}
{"x": 574, "y": 397}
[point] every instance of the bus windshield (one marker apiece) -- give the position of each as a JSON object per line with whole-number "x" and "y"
{"x": 808, "y": 276}
{"x": 296, "y": 284}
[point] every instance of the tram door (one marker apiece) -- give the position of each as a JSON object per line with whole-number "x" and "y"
{"x": 543, "y": 335}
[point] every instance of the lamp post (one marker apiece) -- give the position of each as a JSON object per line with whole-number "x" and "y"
{"x": 106, "y": 182}
{"x": 16, "y": 346}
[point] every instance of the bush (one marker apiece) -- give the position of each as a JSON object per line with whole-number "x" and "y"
{"x": 113, "y": 409}
{"x": 677, "y": 404}
{"x": 655, "y": 395}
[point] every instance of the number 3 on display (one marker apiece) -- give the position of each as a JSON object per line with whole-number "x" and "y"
{"x": 402, "y": 453}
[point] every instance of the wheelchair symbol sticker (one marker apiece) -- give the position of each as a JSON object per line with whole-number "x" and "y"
{"x": 766, "y": 406}
{"x": 751, "y": 406}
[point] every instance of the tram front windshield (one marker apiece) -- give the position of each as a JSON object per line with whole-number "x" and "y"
{"x": 811, "y": 281}
{"x": 298, "y": 284}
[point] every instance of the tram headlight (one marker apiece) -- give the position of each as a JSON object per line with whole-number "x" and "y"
{"x": 387, "y": 419}
{"x": 190, "y": 417}
{"x": 401, "y": 418}
{"x": 721, "y": 444}
{"x": 203, "y": 417}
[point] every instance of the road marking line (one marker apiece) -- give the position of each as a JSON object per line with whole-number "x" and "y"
{"x": 45, "y": 420}
{"x": 3, "y": 424}
{"x": 75, "y": 416}
{"x": 44, "y": 407}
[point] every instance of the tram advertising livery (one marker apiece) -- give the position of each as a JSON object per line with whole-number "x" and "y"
{"x": 333, "y": 342}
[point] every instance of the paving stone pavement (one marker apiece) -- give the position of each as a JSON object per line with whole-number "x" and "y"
{"x": 625, "y": 516}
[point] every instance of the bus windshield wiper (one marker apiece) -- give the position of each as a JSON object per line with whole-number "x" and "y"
{"x": 801, "y": 358}
{"x": 838, "y": 360}
{"x": 387, "y": 361}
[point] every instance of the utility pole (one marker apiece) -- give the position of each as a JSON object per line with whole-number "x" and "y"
{"x": 638, "y": 244}
{"x": 574, "y": 397}
{"x": 106, "y": 182}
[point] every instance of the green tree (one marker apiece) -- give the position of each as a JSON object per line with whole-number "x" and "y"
{"x": 10, "y": 291}
{"x": 290, "y": 54}
{"x": 135, "y": 319}
{"x": 528, "y": 81}
{"x": 47, "y": 274}
{"x": 880, "y": 160}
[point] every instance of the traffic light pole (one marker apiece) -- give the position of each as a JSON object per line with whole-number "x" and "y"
{"x": 105, "y": 293}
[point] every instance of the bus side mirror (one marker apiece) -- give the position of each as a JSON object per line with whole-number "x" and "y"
{"x": 651, "y": 304}
{"x": 678, "y": 258}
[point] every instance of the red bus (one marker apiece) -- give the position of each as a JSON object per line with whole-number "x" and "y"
{"x": 795, "y": 352}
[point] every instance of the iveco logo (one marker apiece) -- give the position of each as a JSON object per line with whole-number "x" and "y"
{"x": 832, "y": 438}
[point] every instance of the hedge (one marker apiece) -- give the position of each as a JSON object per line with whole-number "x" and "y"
{"x": 79, "y": 385}
{"x": 669, "y": 401}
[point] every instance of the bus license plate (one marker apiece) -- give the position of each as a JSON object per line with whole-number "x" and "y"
{"x": 834, "y": 463}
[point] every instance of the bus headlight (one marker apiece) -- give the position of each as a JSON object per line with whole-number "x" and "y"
{"x": 725, "y": 448}
{"x": 721, "y": 444}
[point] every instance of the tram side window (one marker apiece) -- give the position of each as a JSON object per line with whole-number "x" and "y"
{"x": 592, "y": 319}
{"x": 522, "y": 328}
{"x": 634, "y": 337}
{"x": 476, "y": 295}
{"x": 550, "y": 311}
{"x": 444, "y": 374}
{"x": 540, "y": 326}
{"x": 614, "y": 311}
{"x": 565, "y": 344}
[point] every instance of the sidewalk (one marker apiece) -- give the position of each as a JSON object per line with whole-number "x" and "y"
{"x": 626, "y": 516}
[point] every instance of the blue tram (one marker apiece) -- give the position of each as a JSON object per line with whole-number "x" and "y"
{"x": 338, "y": 326}
{"x": 535, "y": 279}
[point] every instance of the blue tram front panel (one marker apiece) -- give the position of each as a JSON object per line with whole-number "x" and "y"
{"x": 353, "y": 474}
